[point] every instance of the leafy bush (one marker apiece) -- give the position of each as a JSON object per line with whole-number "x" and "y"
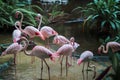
{"x": 114, "y": 58}
{"x": 102, "y": 15}
{"x": 8, "y": 9}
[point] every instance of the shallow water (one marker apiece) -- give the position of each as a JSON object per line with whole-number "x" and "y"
{"x": 24, "y": 70}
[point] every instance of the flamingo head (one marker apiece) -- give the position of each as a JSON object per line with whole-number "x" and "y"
{"x": 17, "y": 13}
{"x": 38, "y": 17}
{"x": 79, "y": 61}
{"x": 72, "y": 39}
{"x": 54, "y": 33}
{"x": 54, "y": 55}
{"x": 3, "y": 53}
{"x": 99, "y": 50}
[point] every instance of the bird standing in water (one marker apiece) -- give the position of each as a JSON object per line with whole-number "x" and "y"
{"x": 14, "y": 48}
{"x": 16, "y": 33}
{"x": 86, "y": 56}
{"x": 42, "y": 53}
{"x": 46, "y": 31}
{"x": 115, "y": 46}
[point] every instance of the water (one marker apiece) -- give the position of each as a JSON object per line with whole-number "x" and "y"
{"x": 24, "y": 70}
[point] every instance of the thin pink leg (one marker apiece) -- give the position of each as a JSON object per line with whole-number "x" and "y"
{"x": 48, "y": 68}
{"x": 41, "y": 67}
{"x": 61, "y": 64}
{"x": 15, "y": 59}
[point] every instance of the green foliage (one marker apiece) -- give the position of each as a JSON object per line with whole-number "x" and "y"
{"x": 114, "y": 58}
{"x": 9, "y": 8}
{"x": 102, "y": 14}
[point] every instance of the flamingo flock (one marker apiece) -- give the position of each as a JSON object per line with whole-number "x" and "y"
{"x": 66, "y": 46}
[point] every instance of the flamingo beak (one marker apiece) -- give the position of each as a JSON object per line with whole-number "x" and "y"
{"x": 16, "y": 15}
{"x": 79, "y": 61}
{"x": 3, "y": 53}
{"x": 99, "y": 51}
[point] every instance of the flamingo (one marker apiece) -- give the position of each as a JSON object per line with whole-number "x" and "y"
{"x": 14, "y": 48}
{"x": 16, "y": 15}
{"x": 86, "y": 56}
{"x": 115, "y": 46}
{"x": 65, "y": 50}
{"x": 46, "y": 31}
{"x": 60, "y": 40}
{"x": 29, "y": 30}
{"x": 16, "y": 33}
{"x": 42, "y": 53}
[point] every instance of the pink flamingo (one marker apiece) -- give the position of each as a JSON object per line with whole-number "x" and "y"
{"x": 46, "y": 31}
{"x": 14, "y": 48}
{"x": 16, "y": 33}
{"x": 115, "y": 46}
{"x": 60, "y": 40}
{"x": 29, "y": 30}
{"x": 42, "y": 53}
{"x": 65, "y": 50}
{"x": 16, "y": 15}
{"x": 86, "y": 56}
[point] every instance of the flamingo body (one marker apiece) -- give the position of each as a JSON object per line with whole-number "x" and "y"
{"x": 48, "y": 31}
{"x": 32, "y": 32}
{"x": 115, "y": 46}
{"x": 41, "y": 52}
{"x": 17, "y": 32}
{"x": 16, "y": 35}
{"x": 14, "y": 48}
{"x": 60, "y": 40}
{"x": 66, "y": 50}
{"x": 85, "y": 55}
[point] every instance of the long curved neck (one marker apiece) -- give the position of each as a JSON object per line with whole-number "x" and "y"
{"x": 16, "y": 26}
{"x": 40, "y": 23}
{"x": 19, "y": 26}
{"x": 26, "y": 42}
{"x": 103, "y": 48}
{"x": 21, "y": 17}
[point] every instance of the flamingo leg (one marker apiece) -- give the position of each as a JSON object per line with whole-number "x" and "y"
{"x": 93, "y": 66}
{"x": 32, "y": 59}
{"x": 61, "y": 64}
{"x": 87, "y": 69}
{"x": 41, "y": 67}
{"x": 15, "y": 59}
{"x": 66, "y": 65}
{"x": 48, "y": 68}
{"x": 83, "y": 66}
{"x": 83, "y": 71}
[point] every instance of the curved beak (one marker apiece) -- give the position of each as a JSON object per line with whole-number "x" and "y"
{"x": 79, "y": 61}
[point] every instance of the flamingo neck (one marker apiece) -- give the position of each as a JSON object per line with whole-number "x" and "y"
{"x": 40, "y": 23}
{"x": 21, "y": 17}
{"x": 103, "y": 49}
{"x": 26, "y": 43}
